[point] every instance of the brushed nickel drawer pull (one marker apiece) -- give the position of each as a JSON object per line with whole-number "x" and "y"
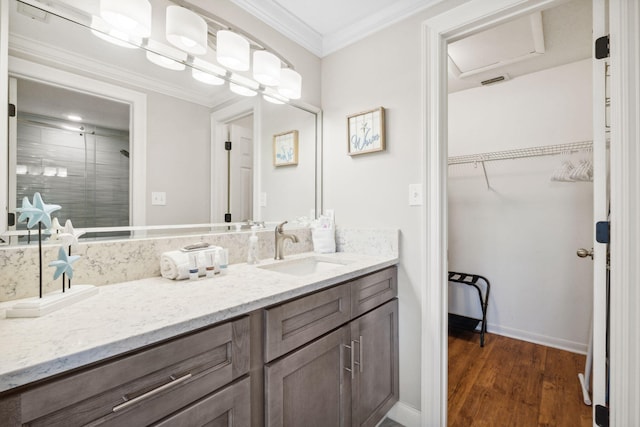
{"x": 172, "y": 383}
{"x": 361, "y": 363}
{"x": 352, "y": 362}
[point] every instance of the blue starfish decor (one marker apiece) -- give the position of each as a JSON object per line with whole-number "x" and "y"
{"x": 38, "y": 212}
{"x": 63, "y": 264}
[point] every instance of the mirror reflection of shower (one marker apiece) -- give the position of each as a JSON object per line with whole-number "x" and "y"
{"x": 81, "y": 165}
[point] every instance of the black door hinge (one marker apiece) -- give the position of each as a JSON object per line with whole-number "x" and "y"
{"x": 227, "y": 145}
{"x": 12, "y": 110}
{"x": 227, "y": 217}
{"x": 11, "y": 219}
{"x": 603, "y": 232}
{"x": 602, "y": 416}
{"x": 602, "y": 47}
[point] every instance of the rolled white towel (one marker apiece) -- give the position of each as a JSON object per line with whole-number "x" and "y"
{"x": 175, "y": 264}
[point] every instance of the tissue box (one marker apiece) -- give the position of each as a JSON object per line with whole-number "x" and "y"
{"x": 324, "y": 240}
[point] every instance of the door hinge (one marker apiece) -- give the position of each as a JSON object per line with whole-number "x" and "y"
{"x": 11, "y": 219}
{"x": 227, "y": 217}
{"x": 227, "y": 145}
{"x": 602, "y": 47}
{"x": 602, "y": 416}
{"x": 603, "y": 232}
{"x": 12, "y": 110}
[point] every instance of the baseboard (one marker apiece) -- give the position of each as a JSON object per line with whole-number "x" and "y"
{"x": 559, "y": 343}
{"x": 404, "y": 414}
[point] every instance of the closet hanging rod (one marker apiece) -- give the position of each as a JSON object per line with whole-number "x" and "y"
{"x": 519, "y": 153}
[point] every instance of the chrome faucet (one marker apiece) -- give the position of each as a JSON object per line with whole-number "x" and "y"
{"x": 280, "y": 238}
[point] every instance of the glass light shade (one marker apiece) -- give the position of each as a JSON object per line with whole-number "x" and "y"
{"x": 241, "y": 90}
{"x": 186, "y": 30}
{"x": 166, "y": 56}
{"x": 272, "y": 96}
{"x": 132, "y": 17}
{"x": 103, "y": 31}
{"x": 21, "y": 169}
{"x": 266, "y": 68}
{"x": 62, "y": 172}
{"x": 233, "y": 50}
{"x": 206, "y": 78}
{"x": 290, "y": 84}
{"x": 49, "y": 171}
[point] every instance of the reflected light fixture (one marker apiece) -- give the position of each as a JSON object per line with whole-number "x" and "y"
{"x": 166, "y": 56}
{"x": 266, "y": 68}
{"x": 186, "y": 30}
{"x": 21, "y": 169}
{"x": 290, "y": 84}
{"x": 272, "y": 96}
{"x": 74, "y": 117}
{"x": 132, "y": 17}
{"x": 102, "y": 30}
{"x": 243, "y": 85}
{"x": 62, "y": 172}
{"x": 207, "y": 72}
{"x": 232, "y": 50}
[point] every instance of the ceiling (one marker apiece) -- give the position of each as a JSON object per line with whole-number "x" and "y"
{"x": 511, "y": 49}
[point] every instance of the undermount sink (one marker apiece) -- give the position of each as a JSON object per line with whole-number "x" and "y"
{"x": 304, "y": 266}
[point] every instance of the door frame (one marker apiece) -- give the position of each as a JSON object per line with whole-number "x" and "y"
{"x": 462, "y": 21}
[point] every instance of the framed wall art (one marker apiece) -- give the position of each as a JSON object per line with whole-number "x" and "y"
{"x": 366, "y": 132}
{"x": 285, "y": 148}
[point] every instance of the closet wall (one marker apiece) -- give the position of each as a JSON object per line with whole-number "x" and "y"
{"x": 522, "y": 233}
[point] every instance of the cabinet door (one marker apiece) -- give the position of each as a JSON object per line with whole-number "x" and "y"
{"x": 375, "y": 387}
{"x": 311, "y": 387}
{"x": 229, "y": 407}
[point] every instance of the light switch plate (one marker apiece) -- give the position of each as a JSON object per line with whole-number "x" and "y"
{"x": 415, "y": 194}
{"x": 158, "y": 198}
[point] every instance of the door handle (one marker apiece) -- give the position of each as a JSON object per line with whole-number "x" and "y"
{"x": 360, "y": 361}
{"x": 583, "y": 253}
{"x": 352, "y": 359}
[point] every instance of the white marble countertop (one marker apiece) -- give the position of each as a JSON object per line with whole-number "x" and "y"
{"x": 126, "y": 316}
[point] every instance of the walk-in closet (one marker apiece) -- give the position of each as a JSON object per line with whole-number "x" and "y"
{"x": 520, "y": 205}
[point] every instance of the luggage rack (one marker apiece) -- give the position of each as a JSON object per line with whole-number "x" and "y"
{"x": 469, "y": 323}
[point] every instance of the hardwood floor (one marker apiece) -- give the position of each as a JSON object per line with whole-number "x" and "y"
{"x": 513, "y": 383}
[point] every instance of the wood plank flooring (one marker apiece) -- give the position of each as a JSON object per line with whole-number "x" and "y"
{"x": 512, "y": 383}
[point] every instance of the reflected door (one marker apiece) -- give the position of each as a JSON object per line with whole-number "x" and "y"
{"x": 240, "y": 194}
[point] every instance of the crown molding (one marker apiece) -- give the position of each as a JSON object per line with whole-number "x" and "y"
{"x": 284, "y": 22}
{"x": 321, "y": 45}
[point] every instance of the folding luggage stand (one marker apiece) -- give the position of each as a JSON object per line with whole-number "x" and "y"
{"x": 469, "y": 323}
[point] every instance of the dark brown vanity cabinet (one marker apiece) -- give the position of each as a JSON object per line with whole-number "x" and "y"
{"x": 199, "y": 376}
{"x": 345, "y": 374}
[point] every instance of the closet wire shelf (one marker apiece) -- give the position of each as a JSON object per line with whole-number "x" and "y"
{"x": 519, "y": 153}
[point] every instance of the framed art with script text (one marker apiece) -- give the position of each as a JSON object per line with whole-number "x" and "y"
{"x": 366, "y": 132}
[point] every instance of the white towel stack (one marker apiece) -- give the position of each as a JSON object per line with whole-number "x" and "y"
{"x": 175, "y": 264}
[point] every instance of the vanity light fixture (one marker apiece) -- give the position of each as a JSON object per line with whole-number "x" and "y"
{"x": 266, "y": 68}
{"x": 233, "y": 50}
{"x": 272, "y": 96}
{"x": 290, "y": 84}
{"x": 243, "y": 86}
{"x": 186, "y": 30}
{"x": 132, "y": 17}
{"x": 208, "y": 73}
{"x": 102, "y": 30}
{"x": 166, "y": 56}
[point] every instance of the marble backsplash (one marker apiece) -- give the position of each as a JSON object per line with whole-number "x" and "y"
{"x": 115, "y": 261}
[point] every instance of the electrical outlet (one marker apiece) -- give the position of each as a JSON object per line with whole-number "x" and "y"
{"x": 415, "y": 194}
{"x": 158, "y": 198}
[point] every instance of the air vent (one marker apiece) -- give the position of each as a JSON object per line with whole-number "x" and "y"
{"x": 494, "y": 80}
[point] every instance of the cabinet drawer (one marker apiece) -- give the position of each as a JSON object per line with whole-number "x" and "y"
{"x": 229, "y": 407}
{"x": 370, "y": 291}
{"x": 297, "y": 322}
{"x": 145, "y": 386}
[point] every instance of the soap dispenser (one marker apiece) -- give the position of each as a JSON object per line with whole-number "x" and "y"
{"x": 252, "y": 253}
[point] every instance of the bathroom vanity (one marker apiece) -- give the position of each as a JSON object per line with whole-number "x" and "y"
{"x": 259, "y": 346}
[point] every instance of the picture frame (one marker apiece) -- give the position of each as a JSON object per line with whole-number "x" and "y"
{"x": 285, "y": 148}
{"x": 366, "y": 132}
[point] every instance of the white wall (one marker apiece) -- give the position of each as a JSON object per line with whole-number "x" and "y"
{"x": 371, "y": 190}
{"x": 178, "y": 160}
{"x": 522, "y": 234}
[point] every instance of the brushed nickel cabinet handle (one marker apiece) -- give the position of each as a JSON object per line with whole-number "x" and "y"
{"x": 352, "y": 360}
{"x": 174, "y": 382}
{"x": 361, "y": 359}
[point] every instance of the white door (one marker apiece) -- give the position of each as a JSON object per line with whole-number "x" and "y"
{"x": 241, "y": 173}
{"x": 600, "y": 213}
